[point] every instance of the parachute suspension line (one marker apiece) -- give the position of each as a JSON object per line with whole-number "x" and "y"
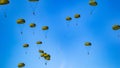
{"x": 2, "y": 16}
{"x": 5, "y": 14}
{"x": 46, "y": 32}
{"x": 25, "y": 52}
{"x": 118, "y": 35}
{"x": 68, "y": 23}
{"x": 33, "y": 32}
{"x": 33, "y": 8}
{"x": 92, "y": 11}
{"x": 21, "y": 29}
{"x": 88, "y": 53}
{"x": 77, "y": 21}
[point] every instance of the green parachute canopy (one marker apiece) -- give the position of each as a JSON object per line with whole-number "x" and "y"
{"x": 92, "y": 3}
{"x": 47, "y": 57}
{"x": 77, "y": 16}
{"x": 26, "y": 45}
{"x": 68, "y": 18}
{"x": 4, "y": 2}
{"x": 88, "y": 44}
{"x": 33, "y": 0}
{"x": 39, "y": 42}
{"x": 116, "y": 27}
{"x": 45, "y": 27}
{"x": 20, "y": 21}
{"x": 32, "y": 25}
{"x": 21, "y": 65}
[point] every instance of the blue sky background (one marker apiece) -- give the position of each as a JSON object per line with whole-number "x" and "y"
{"x": 64, "y": 43}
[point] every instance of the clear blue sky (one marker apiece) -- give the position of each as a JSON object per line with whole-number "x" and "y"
{"x": 64, "y": 43}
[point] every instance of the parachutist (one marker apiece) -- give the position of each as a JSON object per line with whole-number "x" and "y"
{"x": 76, "y": 24}
{"x": 25, "y": 52}
{"x": 21, "y": 33}
{"x": 45, "y": 63}
{"x": 88, "y": 53}
{"x": 5, "y": 15}
{"x": 33, "y": 13}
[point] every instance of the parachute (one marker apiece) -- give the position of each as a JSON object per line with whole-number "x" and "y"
{"x": 21, "y": 21}
{"x": 39, "y": 42}
{"x": 3, "y": 3}
{"x": 68, "y": 19}
{"x": 45, "y": 56}
{"x": 77, "y": 16}
{"x": 45, "y": 28}
{"x": 21, "y": 65}
{"x": 116, "y": 27}
{"x": 25, "y": 46}
{"x": 3, "y": 13}
{"x": 93, "y": 3}
{"x": 88, "y": 45}
{"x": 32, "y": 25}
{"x": 33, "y": 0}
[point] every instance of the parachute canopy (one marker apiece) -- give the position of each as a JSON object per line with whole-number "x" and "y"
{"x": 92, "y": 3}
{"x": 77, "y": 16}
{"x": 41, "y": 51}
{"x": 45, "y": 27}
{"x": 39, "y": 42}
{"x": 26, "y": 45}
{"x": 116, "y": 27}
{"x": 33, "y": 0}
{"x": 88, "y": 44}
{"x": 46, "y": 56}
{"x": 32, "y": 25}
{"x": 4, "y": 2}
{"x": 21, "y": 65}
{"x": 68, "y": 18}
{"x": 20, "y": 21}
